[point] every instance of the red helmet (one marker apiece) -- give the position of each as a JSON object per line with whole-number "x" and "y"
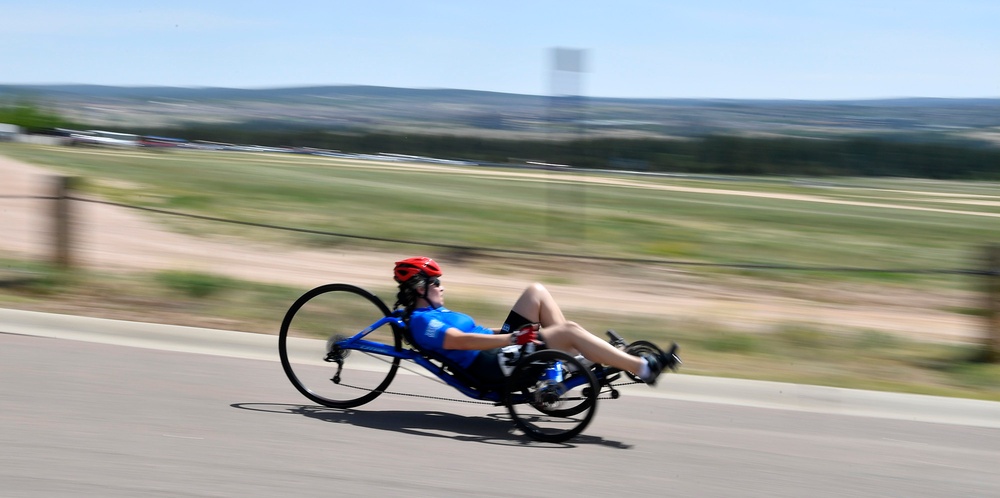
{"x": 409, "y": 267}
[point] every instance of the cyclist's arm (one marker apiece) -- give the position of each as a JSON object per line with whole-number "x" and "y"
{"x": 456, "y": 339}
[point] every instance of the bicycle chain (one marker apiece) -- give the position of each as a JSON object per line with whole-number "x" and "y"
{"x": 427, "y": 396}
{"x": 473, "y": 402}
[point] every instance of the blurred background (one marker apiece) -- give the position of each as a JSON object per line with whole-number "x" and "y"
{"x": 771, "y": 181}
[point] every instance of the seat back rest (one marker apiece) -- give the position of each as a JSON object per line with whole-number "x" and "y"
{"x": 405, "y": 329}
{"x": 447, "y": 365}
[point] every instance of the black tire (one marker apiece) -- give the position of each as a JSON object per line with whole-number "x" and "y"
{"x": 336, "y": 311}
{"x": 639, "y": 348}
{"x": 540, "y": 408}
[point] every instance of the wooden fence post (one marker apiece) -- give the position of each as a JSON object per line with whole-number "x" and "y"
{"x": 993, "y": 303}
{"x": 62, "y": 232}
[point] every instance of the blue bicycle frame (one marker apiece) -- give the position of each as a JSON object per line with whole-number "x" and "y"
{"x": 358, "y": 342}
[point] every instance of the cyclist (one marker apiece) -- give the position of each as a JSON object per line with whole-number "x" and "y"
{"x": 534, "y": 318}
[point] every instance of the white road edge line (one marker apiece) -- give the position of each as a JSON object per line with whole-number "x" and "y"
{"x": 759, "y": 394}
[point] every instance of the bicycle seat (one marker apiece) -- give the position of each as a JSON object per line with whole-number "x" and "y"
{"x": 447, "y": 365}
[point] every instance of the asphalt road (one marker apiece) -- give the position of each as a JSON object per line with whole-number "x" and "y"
{"x": 103, "y": 408}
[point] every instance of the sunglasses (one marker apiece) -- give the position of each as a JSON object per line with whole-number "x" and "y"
{"x": 436, "y": 282}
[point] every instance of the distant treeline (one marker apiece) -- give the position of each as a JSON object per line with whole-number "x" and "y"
{"x": 729, "y": 155}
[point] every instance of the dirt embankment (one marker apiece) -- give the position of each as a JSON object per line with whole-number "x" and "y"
{"x": 118, "y": 239}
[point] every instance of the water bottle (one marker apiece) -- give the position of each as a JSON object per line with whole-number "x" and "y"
{"x": 555, "y": 372}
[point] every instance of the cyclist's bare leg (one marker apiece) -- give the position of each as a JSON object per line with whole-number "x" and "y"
{"x": 538, "y": 305}
{"x": 572, "y": 338}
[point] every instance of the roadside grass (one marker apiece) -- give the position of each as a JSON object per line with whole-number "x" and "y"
{"x": 34, "y": 279}
{"x": 194, "y": 284}
{"x": 174, "y": 297}
{"x": 789, "y": 352}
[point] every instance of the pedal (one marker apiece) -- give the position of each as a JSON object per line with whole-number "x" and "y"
{"x": 673, "y": 360}
{"x": 615, "y": 339}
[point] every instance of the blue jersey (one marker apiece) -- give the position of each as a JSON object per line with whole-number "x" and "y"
{"x": 427, "y": 326}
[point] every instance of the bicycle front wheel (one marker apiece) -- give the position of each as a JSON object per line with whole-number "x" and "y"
{"x": 306, "y": 346}
{"x": 546, "y": 409}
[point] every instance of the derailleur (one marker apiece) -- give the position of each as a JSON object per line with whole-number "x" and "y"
{"x": 336, "y": 354}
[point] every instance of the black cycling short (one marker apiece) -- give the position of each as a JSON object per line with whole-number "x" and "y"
{"x": 486, "y": 367}
{"x": 514, "y": 322}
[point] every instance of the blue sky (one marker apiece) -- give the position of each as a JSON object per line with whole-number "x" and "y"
{"x": 837, "y": 49}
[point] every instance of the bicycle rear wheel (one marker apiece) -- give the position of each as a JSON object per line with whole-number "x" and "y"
{"x": 308, "y": 356}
